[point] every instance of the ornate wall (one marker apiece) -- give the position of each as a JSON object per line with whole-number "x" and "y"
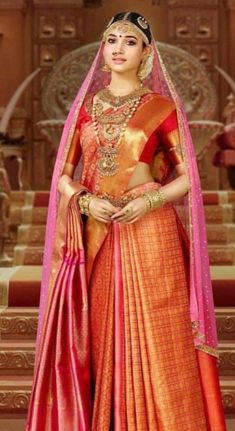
{"x": 44, "y": 30}
{"x": 58, "y": 27}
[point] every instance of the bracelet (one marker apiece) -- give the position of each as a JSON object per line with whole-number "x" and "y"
{"x": 154, "y": 198}
{"x": 84, "y": 202}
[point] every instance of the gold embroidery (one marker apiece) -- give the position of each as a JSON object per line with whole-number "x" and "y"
{"x": 203, "y": 347}
{"x": 196, "y": 333}
{"x": 176, "y": 149}
{"x": 118, "y": 201}
{"x": 208, "y": 349}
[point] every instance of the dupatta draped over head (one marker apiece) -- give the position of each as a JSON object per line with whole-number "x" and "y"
{"x": 189, "y": 208}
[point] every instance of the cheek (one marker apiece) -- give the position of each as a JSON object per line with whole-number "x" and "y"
{"x": 135, "y": 56}
{"x": 107, "y": 52}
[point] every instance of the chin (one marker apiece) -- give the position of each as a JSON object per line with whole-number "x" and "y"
{"x": 118, "y": 69}
{"x": 121, "y": 69}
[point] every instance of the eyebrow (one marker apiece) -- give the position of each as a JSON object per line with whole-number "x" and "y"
{"x": 132, "y": 37}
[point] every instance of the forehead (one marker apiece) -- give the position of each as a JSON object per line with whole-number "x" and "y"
{"x": 123, "y": 29}
{"x": 123, "y": 33}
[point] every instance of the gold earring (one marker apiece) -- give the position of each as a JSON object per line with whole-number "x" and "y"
{"x": 105, "y": 68}
{"x": 145, "y": 66}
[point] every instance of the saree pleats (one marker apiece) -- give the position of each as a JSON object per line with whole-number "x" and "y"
{"x": 167, "y": 388}
{"x": 102, "y": 335}
{"x": 118, "y": 418}
{"x": 148, "y": 305}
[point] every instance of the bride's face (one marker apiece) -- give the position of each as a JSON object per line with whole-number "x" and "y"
{"x": 123, "y": 51}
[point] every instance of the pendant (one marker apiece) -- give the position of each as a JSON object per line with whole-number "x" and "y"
{"x": 107, "y": 163}
{"x": 111, "y": 132}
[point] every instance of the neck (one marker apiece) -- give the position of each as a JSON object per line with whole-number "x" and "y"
{"x": 120, "y": 84}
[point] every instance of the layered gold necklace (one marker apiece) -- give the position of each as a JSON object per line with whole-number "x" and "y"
{"x": 110, "y": 128}
{"x": 116, "y": 101}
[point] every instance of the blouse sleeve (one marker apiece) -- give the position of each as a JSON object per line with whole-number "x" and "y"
{"x": 168, "y": 133}
{"x": 75, "y": 150}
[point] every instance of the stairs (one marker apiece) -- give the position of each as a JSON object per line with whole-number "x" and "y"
{"x": 225, "y": 319}
{"x": 28, "y": 212}
{"x": 18, "y": 327}
{"x": 219, "y": 210}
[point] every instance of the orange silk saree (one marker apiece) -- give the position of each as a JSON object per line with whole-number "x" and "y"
{"x": 116, "y": 350}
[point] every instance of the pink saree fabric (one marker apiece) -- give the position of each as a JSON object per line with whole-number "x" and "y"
{"x": 61, "y": 396}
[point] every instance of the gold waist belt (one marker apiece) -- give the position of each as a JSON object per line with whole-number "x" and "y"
{"x": 120, "y": 201}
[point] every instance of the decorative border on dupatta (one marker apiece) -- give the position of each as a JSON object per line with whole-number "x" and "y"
{"x": 208, "y": 349}
{"x": 204, "y": 347}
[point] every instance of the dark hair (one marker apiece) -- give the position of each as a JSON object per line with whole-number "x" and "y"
{"x": 136, "y": 19}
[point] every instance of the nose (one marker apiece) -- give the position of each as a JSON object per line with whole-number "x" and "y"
{"x": 120, "y": 46}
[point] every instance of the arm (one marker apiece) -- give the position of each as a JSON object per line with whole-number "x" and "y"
{"x": 72, "y": 160}
{"x": 169, "y": 134}
{"x": 74, "y": 154}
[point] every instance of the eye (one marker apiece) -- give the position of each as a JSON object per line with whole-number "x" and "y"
{"x": 111, "y": 40}
{"x": 131, "y": 42}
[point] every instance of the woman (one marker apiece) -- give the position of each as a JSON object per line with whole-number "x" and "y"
{"x": 126, "y": 336}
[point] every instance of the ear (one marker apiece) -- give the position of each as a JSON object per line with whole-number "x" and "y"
{"x": 147, "y": 51}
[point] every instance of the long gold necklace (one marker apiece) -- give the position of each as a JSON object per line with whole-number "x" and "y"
{"x": 107, "y": 163}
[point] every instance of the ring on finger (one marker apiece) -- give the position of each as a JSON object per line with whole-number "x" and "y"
{"x": 128, "y": 210}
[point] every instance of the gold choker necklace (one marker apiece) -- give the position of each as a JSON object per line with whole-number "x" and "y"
{"x": 116, "y": 101}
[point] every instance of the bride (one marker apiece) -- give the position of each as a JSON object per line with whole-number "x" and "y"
{"x": 126, "y": 336}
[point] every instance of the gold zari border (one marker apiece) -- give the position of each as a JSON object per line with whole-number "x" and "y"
{"x": 208, "y": 349}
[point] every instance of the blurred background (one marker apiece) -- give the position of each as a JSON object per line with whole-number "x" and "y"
{"x": 46, "y": 48}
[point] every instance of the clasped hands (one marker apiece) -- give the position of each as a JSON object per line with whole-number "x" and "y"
{"x": 103, "y": 210}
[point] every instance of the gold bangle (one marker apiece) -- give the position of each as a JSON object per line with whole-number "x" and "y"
{"x": 154, "y": 198}
{"x": 84, "y": 202}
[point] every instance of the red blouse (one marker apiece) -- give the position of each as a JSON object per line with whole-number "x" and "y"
{"x": 166, "y": 134}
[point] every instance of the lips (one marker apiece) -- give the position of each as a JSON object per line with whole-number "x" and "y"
{"x": 118, "y": 60}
